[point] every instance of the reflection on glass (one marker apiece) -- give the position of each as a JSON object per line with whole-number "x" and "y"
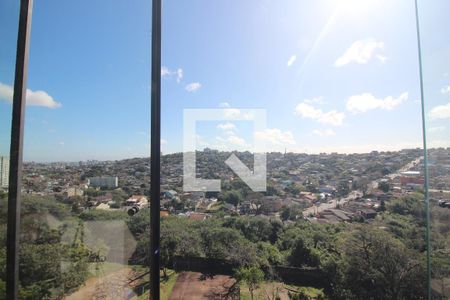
{"x": 319, "y": 99}
{"x": 434, "y": 20}
{"x": 9, "y": 20}
{"x": 342, "y": 215}
{"x": 85, "y": 179}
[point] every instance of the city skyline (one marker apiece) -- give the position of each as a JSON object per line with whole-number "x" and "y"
{"x": 344, "y": 81}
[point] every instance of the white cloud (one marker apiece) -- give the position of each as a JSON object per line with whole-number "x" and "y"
{"x": 366, "y": 101}
{"x": 291, "y": 60}
{"x": 224, "y": 104}
{"x": 166, "y": 72}
{"x": 33, "y": 98}
{"x": 235, "y": 140}
{"x": 193, "y": 87}
{"x": 273, "y": 139}
{"x": 445, "y": 89}
{"x": 325, "y": 132}
{"x": 179, "y": 74}
{"x": 276, "y": 137}
{"x": 6, "y": 92}
{"x": 201, "y": 142}
{"x": 234, "y": 113}
{"x": 331, "y": 117}
{"x": 163, "y": 142}
{"x": 381, "y": 58}
{"x": 440, "y": 112}
{"x": 226, "y": 126}
{"x": 61, "y": 143}
{"x": 436, "y": 129}
{"x": 223, "y": 143}
{"x": 361, "y": 52}
{"x": 438, "y": 143}
{"x": 318, "y": 100}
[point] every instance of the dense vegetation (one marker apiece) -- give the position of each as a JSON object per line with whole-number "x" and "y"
{"x": 48, "y": 267}
{"x": 381, "y": 260}
{"x": 384, "y": 259}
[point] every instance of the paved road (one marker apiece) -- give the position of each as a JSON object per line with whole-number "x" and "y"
{"x": 331, "y": 204}
{"x": 355, "y": 194}
{"x": 439, "y": 191}
{"x": 374, "y": 184}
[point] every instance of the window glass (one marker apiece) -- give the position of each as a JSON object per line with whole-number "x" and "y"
{"x": 434, "y": 20}
{"x": 9, "y": 22}
{"x": 320, "y": 100}
{"x": 86, "y": 152}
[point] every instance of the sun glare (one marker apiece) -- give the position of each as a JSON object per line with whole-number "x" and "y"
{"x": 352, "y": 7}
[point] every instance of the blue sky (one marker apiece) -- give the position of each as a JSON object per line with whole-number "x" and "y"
{"x": 333, "y": 75}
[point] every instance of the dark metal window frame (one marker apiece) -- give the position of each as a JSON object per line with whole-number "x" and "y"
{"x": 155, "y": 163}
{"x": 15, "y": 169}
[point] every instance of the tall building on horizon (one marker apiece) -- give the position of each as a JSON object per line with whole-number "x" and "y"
{"x": 4, "y": 171}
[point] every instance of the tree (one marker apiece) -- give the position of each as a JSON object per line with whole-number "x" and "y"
{"x": 382, "y": 206}
{"x": 302, "y": 255}
{"x": 289, "y": 213}
{"x": 361, "y": 184}
{"x": 252, "y": 276}
{"x": 271, "y": 190}
{"x": 119, "y": 197}
{"x": 375, "y": 265}
{"x": 312, "y": 187}
{"x": 139, "y": 223}
{"x": 40, "y": 269}
{"x": 269, "y": 254}
{"x": 211, "y": 194}
{"x": 384, "y": 186}
{"x": 408, "y": 205}
{"x": 293, "y": 188}
{"x": 385, "y": 171}
{"x": 256, "y": 229}
{"x": 343, "y": 188}
{"x": 228, "y": 244}
{"x": 169, "y": 245}
{"x": 232, "y": 197}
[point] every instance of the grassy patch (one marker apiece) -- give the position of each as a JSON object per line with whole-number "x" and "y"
{"x": 272, "y": 289}
{"x": 166, "y": 287}
{"x": 103, "y": 215}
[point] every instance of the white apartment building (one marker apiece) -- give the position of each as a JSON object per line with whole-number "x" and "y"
{"x": 105, "y": 182}
{"x": 4, "y": 171}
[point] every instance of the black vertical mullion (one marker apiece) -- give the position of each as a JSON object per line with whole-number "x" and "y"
{"x": 155, "y": 166}
{"x": 15, "y": 169}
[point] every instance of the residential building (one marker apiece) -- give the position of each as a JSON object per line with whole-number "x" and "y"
{"x": 139, "y": 200}
{"x": 4, "y": 171}
{"x": 103, "y": 182}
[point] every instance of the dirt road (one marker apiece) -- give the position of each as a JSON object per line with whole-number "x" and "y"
{"x": 192, "y": 285}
